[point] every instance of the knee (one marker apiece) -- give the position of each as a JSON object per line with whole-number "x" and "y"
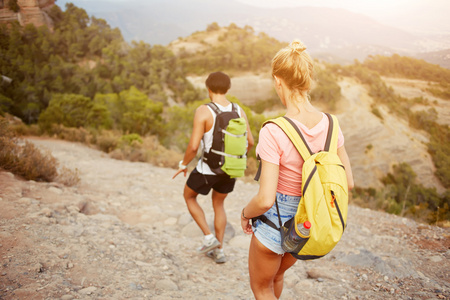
{"x": 278, "y": 278}
{"x": 189, "y": 199}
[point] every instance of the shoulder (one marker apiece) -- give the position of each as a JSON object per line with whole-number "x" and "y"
{"x": 203, "y": 109}
{"x": 202, "y": 113}
{"x": 271, "y": 131}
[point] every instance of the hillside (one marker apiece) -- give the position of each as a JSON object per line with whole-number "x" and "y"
{"x": 392, "y": 140}
{"x": 331, "y": 32}
{"x": 129, "y": 98}
{"x": 124, "y": 233}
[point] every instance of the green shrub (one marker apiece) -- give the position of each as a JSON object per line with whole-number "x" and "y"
{"x": 107, "y": 141}
{"x": 407, "y": 67}
{"x": 69, "y": 110}
{"x": 403, "y": 195}
{"x": 132, "y": 139}
{"x": 327, "y": 91}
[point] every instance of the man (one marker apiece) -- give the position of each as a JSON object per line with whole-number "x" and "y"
{"x": 202, "y": 179}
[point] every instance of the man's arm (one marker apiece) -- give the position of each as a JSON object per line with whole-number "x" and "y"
{"x": 200, "y": 118}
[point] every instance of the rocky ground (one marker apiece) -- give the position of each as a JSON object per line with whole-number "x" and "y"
{"x": 123, "y": 232}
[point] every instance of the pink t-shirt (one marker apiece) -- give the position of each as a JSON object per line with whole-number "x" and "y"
{"x": 275, "y": 147}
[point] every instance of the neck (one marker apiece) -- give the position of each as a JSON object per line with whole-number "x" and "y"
{"x": 219, "y": 99}
{"x": 298, "y": 105}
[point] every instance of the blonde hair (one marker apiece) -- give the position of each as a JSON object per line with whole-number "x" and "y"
{"x": 294, "y": 65}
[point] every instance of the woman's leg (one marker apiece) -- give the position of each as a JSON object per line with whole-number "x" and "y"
{"x": 286, "y": 262}
{"x": 266, "y": 270}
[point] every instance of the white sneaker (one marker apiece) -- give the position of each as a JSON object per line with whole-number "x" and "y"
{"x": 217, "y": 255}
{"x": 209, "y": 245}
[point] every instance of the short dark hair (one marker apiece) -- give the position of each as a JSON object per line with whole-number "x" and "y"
{"x": 218, "y": 82}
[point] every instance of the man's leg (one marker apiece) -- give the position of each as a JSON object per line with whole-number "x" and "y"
{"x": 195, "y": 210}
{"x": 220, "y": 217}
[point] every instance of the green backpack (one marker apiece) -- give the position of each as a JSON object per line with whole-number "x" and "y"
{"x": 228, "y": 153}
{"x": 324, "y": 201}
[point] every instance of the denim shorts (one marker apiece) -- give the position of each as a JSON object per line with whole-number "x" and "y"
{"x": 268, "y": 236}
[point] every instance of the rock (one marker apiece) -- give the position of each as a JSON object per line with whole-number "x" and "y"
{"x": 25, "y": 201}
{"x": 88, "y": 291}
{"x": 192, "y": 230}
{"x": 316, "y": 273}
{"x": 167, "y": 285}
{"x": 435, "y": 258}
{"x": 170, "y": 221}
{"x": 184, "y": 219}
{"x": 303, "y": 285}
{"x": 47, "y": 212}
{"x": 37, "y": 268}
{"x": 55, "y": 190}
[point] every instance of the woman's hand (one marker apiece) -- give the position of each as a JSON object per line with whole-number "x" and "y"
{"x": 245, "y": 223}
{"x": 246, "y": 226}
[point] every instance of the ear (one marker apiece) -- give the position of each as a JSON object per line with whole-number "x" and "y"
{"x": 277, "y": 81}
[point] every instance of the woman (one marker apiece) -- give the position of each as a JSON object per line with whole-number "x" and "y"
{"x": 281, "y": 179}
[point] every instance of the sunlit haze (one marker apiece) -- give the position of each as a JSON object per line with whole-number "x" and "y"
{"x": 425, "y": 16}
{"x": 413, "y": 15}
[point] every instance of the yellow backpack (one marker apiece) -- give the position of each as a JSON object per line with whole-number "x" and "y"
{"x": 324, "y": 201}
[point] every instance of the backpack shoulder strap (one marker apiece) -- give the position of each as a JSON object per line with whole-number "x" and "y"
{"x": 296, "y": 137}
{"x": 234, "y": 107}
{"x": 294, "y": 134}
{"x": 214, "y": 107}
{"x": 332, "y": 135}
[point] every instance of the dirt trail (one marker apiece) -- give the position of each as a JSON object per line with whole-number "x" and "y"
{"x": 124, "y": 233}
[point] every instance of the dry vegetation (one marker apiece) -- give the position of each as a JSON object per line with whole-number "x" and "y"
{"x": 26, "y": 160}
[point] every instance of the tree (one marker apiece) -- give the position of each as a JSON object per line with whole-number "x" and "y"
{"x": 70, "y": 110}
{"x": 213, "y": 27}
{"x": 12, "y": 5}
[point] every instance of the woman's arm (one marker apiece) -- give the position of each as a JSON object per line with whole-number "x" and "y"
{"x": 250, "y": 140}
{"x": 265, "y": 197}
{"x": 342, "y": 153}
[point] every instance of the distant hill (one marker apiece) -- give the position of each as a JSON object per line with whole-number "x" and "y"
{"x": 441, "y": 58}
{"x": 375, "y": 144}
{"x": 330, "y": 33}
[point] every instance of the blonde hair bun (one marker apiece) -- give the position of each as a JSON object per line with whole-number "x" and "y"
{"x": 294, "y": 65}
{"x": 297, "y": 46}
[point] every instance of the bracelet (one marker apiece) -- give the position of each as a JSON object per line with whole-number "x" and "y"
{"x": 243, "y": 216}
{"x": 181, "y": 166}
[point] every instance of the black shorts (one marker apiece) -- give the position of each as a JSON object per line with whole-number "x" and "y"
{"x": 202, "y": 184}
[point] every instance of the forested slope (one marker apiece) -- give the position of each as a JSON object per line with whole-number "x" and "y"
{"x": 83, "y": 82}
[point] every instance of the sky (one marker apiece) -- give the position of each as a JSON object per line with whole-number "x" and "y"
{"x": 426, "y": 16}
{"x": 400, "y": 13}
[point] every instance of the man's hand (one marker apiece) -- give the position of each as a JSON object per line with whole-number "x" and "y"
{"x": 179, "y": 171}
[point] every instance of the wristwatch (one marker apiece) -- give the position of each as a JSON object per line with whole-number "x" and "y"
{"x": 181, "y": 166}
